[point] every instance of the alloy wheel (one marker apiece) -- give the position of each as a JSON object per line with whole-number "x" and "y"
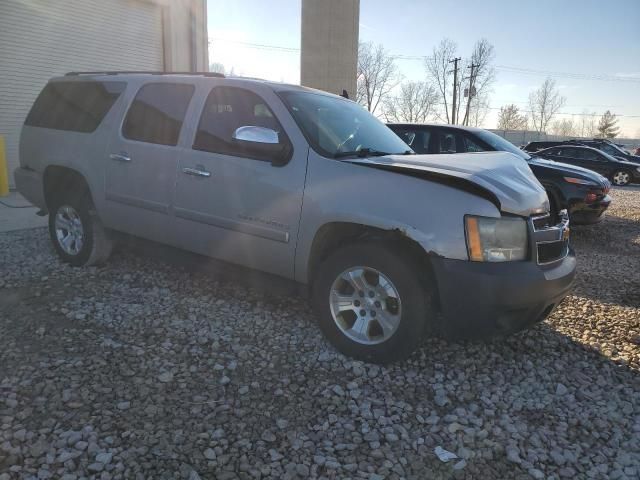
{"x": 365, "y": 305}
{"x": 621, "y": 178}
{"x": 69, "y": 230}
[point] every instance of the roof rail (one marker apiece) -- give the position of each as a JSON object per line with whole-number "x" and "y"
{"x": 202, "y": 74}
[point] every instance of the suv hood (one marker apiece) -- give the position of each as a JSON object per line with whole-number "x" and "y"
{"x": 567, "y": 169}
{"x": 505, "y": 176}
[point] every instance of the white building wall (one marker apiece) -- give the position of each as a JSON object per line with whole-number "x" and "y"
{"x": 40, "y": 39}
{"x": 329, "y": 40}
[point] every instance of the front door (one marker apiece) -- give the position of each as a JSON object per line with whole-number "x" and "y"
{"x": 142, "y": 160}
{"x": 238, "y": 206}
{"x": 594, "y": 160}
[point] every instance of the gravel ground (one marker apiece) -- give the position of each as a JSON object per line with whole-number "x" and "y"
{"x": 152, "y": 368}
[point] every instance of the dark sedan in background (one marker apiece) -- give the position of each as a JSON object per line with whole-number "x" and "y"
{"x": 582, "y": 192}
{"x": 621, "y": 172}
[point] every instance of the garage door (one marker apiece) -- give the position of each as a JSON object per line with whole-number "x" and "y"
{"x": 40, "y": 39}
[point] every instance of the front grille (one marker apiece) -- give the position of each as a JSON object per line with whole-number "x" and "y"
{"x": 552, "y": 251}
{"x": 551, "y": 241}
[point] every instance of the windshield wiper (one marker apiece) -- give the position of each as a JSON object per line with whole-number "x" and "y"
{"x": 363, "y": 152}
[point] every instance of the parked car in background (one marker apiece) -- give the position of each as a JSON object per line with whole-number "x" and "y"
{"x": 610, "y": 148}
{"x": 602, "y": 144}
{"x": 302, "y": 184}
{"x": 582, "y": 192}
{"x": 533, "y": 147}
{"x": 621, "y": 172}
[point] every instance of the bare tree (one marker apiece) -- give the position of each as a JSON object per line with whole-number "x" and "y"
{"x": 377, "y": 75}
{"x": 544, "y": 103}
{"x": 479, "y": 110}
{"x": 587, "y": 126}
{"x": 439, "y": 70}
{"x": 564, "y": 127}
{"x": 480, "y": 78}
{"x": 415, "y": 103}
{"x": 510, "y": 118}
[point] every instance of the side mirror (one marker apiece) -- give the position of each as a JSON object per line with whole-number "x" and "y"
{"x": 256, "y": 135}
{"x": 263, "y": 143}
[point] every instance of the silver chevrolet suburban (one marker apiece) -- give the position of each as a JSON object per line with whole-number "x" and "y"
{"x": 301, "y": 184}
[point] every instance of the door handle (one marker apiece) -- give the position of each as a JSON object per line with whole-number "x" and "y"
{"x": 199, "y": 171}
{"x": 120, "y": 157}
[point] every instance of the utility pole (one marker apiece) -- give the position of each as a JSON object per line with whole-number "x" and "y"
{"x": 472, "y": 79}
{"x": 455, "y": 88}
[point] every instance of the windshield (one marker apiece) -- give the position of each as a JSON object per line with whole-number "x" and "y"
{"x": 612, "y": 149}
{"x": 501, "y": 144}
{"x": 335, "y": 126}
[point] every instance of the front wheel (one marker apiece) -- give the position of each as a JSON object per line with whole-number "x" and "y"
{"x": 77, "y": 233}
{"x": 621, "y": 178}
{"x": 372, "y": 303}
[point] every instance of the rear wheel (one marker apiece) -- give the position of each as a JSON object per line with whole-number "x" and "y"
{"x": 372, "y": 303}
{"x": 76, "y": 231}
{"x": 621, "y": 178}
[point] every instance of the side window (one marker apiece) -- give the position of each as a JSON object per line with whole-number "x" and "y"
{"x": 446, "y": 142}
{"x": 471, "y": 145}
{"x": 567, "y": 152}
{"x": 418, "y": 140}
{"x": 157, "y": 112}
{"x": 589, "y": 155}
{"x": 74, "y": 106}
{"x": 227, "y": 109}
{"x": 609, "y": 149}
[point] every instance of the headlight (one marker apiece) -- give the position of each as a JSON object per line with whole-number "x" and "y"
{"x": 638, "y": 169}
{"x": 496, "y": 239}
{"x": 579, "y": 181}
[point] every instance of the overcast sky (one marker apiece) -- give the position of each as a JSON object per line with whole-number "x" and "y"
{"x": 584, "y": 38}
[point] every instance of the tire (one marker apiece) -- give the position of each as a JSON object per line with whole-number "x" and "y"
{"x": 411, "y": 312}
{"x": 621, "y": 178}
{"x": 86, "y": 241}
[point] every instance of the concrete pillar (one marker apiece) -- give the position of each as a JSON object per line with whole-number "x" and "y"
{"x": 185, "y": 42}
{"x": 329, "y": 51}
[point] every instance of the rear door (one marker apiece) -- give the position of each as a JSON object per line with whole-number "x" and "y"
{"x": 566, "y": 155}
{"x": 142, "y": 159}
{"x": 236, "y": 206}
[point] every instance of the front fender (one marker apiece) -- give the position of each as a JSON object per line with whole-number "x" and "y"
{"x": 430, "y": 213}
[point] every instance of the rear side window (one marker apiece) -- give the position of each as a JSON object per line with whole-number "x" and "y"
{"x": 74, "y": 106}
{"x": 568, "y": 152}
{"x": 157, "y": 113}
{"x": 446, "y": 142}
{"x": 588, "y": 155}
{"x": 418, "y": 140}
{"x": 226, "y": 109}
{"x": 471, "y": 145}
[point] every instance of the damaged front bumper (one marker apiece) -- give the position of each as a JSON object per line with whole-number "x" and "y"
{"x": 479, "y": 299}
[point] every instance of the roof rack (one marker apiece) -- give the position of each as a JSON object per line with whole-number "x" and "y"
{"x": 202, "y": 74}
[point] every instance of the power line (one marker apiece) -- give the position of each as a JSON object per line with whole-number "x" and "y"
{"x": 259, "y": 46}
{"x": 262, "y": 46}
{"x": 507, "y": 68}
